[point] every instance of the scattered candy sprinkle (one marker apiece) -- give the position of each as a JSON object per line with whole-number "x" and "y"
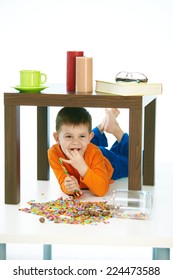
{"x": 74, "y": 211}
{"x": 70, "y": 211}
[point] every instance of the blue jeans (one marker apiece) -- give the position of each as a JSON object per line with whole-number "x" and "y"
{"x": 117, "y": 155}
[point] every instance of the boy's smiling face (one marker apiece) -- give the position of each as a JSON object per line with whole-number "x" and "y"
{"x": 73, "y": 137}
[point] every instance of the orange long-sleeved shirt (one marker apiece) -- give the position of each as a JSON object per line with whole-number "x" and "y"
{"x": 97, "y": 177}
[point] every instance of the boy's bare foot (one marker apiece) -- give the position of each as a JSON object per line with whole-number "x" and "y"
{"x": 115, "y": 112}
{"x": 102, "y": 124}
{"x": 111, "y": 125}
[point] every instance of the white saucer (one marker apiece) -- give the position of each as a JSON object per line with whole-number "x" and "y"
{"x": 30, "y": 89}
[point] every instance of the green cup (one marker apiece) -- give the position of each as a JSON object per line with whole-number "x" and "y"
{"x": 32, "y": 78}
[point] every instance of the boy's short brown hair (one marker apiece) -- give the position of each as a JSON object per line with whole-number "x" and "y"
{"x": 73, "y": 116}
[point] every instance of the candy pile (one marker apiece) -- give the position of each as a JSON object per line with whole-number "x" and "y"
{"x": 70, "y": 211}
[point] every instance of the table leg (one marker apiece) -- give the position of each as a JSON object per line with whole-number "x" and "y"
{"x": 149, "y": 144}
{"x": 161, "y": 253}
{"x": 135, "y": 149}
{"x": 2, "y": 251}
{"x": 12, "y": 154}
{"x": 42, "y": 143}
{"x": 47, "y": 252}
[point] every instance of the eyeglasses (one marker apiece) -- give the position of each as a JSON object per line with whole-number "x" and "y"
{"x": 131, "y": 77}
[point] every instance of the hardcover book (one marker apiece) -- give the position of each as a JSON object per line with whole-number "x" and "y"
{"x": 128, "y": 88}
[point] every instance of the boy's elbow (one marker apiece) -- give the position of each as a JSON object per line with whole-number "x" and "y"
{"x": 102, "y": 191}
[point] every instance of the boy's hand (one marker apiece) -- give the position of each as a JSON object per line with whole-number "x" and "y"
{"x": 71, "y": 184}
{"x": 77, "y": 161}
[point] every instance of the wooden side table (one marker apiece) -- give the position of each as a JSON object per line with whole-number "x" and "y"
{"x": 135, "y": 104}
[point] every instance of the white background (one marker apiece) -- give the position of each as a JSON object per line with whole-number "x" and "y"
{"x": 126, "y": 35}
{"x": 121, "y": 35}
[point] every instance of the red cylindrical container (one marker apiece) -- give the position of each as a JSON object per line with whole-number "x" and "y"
{"x": 71, "y": 69}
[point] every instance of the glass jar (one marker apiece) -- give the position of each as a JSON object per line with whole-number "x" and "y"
{"x": 131, "y": 204}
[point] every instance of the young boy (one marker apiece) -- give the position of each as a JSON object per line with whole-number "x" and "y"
{"x": 80, "y": 159}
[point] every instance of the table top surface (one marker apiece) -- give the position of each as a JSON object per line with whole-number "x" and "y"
{"x": 57, "y": 95}
{"x": 20, "y": 227}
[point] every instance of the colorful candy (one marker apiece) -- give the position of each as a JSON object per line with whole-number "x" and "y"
{"x": 136, "y": 216}
{"x": 74, "y": 211}
{"x": 42, "y": 220}
{"x": 62, "y": 165}
{"x": 70, "y": 211}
